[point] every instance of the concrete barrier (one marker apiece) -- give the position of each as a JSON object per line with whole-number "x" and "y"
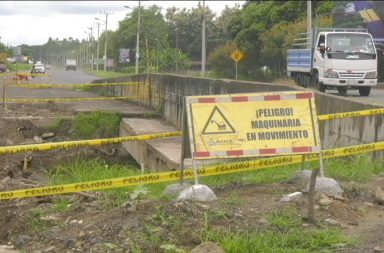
{"x": 165, "y": 92}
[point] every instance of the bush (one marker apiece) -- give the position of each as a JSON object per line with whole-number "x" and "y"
{"x": 97, "y": 125}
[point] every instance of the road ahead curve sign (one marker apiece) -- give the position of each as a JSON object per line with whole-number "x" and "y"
{"x": 237, "y": 55}
{"x": 252, "y": 124}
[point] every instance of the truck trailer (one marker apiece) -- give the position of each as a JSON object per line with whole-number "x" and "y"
{"x": 334, "y": 58}
{"x": 70, "y": 64}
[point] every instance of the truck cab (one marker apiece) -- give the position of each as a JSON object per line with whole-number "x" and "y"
{"x": 340, "y": 58}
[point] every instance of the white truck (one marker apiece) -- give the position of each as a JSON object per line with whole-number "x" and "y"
{"x": 335, "y": 58}
{"x": 70, "y": 64}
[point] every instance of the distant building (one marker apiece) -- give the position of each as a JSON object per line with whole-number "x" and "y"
{"x": 17, "y": 50}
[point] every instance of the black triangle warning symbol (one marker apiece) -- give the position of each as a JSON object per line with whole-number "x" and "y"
{"x": 217, "y": 123}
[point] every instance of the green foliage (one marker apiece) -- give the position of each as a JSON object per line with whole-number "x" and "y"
{"x": 62, "y": 205}
{"x": 89, "y": 170}
{"x": 262, "y": 176}
{"x": 171, "y": 248}
{"x": 171, "y": 59}
{"x": 19, "y": 67}
{"x": 221, "y": 61}
{"x": 35, "y": 223}
{"x": 284, "y": 233}
{"x": 153, "y": 32}
{"x": 185, "y": 30}
{"x": 97, "y": 125}
{"x": 354, "y": 168}
{"x": 59, "y": 124}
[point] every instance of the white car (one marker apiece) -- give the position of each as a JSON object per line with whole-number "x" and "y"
{"x": 38, "y": 68}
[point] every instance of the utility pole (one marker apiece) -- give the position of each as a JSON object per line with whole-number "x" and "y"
{"x": 91, "y": 41}
{"x": 203, "y": 54}
{"x": 106, "y": 39}
{"x": 137, "y": 42}
{"x": 87, "y": 50}
{"x": 309, "y": 23}
{"x": 98, "y": 44}
{"x": 137, "y": 54}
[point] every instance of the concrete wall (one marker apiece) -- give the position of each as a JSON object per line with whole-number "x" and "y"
{"x": 165, "y": 93}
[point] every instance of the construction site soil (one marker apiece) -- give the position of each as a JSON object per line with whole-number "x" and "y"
{"x": 146, "y": 227}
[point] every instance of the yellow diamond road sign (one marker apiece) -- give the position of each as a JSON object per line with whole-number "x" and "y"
{"x": 237, "y": 55}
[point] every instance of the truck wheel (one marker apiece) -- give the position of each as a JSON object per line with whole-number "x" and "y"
{"x": 364, "y": 91}
{"x": 342, "y": 90}
{"x": 317, "y": 84}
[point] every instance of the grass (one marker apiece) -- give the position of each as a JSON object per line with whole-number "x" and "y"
{"x": 88, "y": 170}
{"x": 284, "y": 233}
{"x": 92, "y": 125}
{"x": 19, "y": 66}
{"x": 354, "y": 168}
{"x": 35, "y": 223}
{"x": 97, "y": 125}
{"x": 264, "y": 176}
{"x": 60, "y": 124}
{"x": 62, "y": 205}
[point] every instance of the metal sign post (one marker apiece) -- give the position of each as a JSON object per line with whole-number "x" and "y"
{"x": 237, "y": 56}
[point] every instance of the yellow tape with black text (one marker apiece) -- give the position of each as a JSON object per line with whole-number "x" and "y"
{"x": 211, "y": 170}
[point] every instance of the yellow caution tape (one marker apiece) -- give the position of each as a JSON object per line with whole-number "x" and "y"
{"x": 37, "y": 86}
{"x": 211, "y": 170}
{"x": 82, "y": 143}
{"x": 31, "y": 100}
{"x": 351, "y": 114}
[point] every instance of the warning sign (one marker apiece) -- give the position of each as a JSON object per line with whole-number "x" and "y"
{"x": 256, "y": 124}
{"x": 217, "y": 123}
{"x": 237, "y": 55}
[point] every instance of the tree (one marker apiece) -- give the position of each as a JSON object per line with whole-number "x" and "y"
{"x": 153, "y": 32}
{"x": 185, "y": 29}
{"x": 221, "y": 62}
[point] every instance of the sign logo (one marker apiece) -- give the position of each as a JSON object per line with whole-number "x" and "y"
{"x": 217, "y": 123}
{"x": 353, "y": 56}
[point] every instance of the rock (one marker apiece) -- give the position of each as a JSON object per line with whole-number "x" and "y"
{"x": 175, "y": 189}
{"x": 8, "y": 249}
{"x": 293, "y": 197}
{"x": 378, "y": 249}
{"x": 301, "y": 178}
{"x": 368, "y": 204}
{"x": 328, "y": 186}
{"x": 263, "y": 221}
{"x": 332, "y": 222}
{"x": 325, "y": 200}
{"x": 49, "y": 249}
{"x": 207, "y": 247}
{"x": 37, "y": 139}
{"x": 4, "y": 181}
{"x": 197, "y": 192}
{"x": 22, "y": 240}
{"x": 47, "y": 135}
{"x": 379, "y": 195}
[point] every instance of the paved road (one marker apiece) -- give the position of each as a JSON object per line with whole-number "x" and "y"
{"x": 60, "y": 76}
{"x": 376, "y": 96}
{"x": 65, "y": 77}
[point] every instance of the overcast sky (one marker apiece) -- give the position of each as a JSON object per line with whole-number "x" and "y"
{"x": 33, "y": 22}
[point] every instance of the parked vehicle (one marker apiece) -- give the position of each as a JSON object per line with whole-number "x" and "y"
{"x": 335, "y": 58}
{"x": 3, "y": 68}
{"x": 38, "y": 68}
{"x": 70, "y": 64}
